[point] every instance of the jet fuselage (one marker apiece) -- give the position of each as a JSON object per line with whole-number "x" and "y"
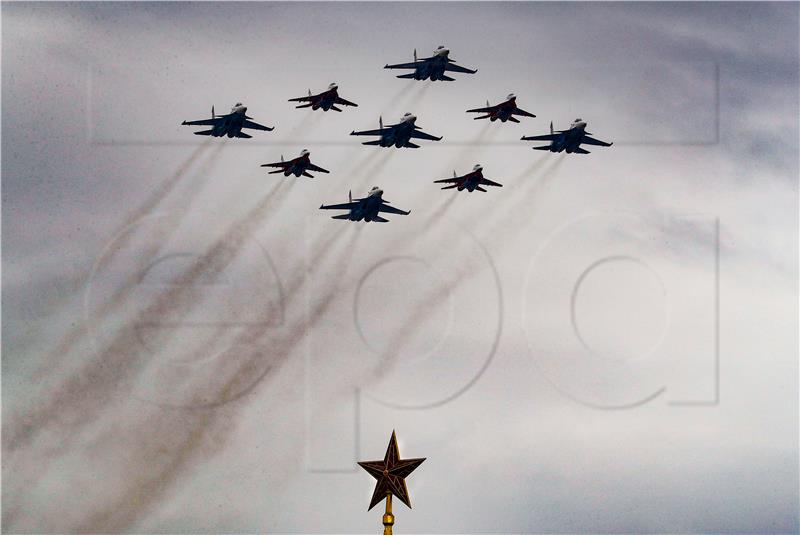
{"x": 231, "y": 123}
{"x": 326, "y": 100}
{"x": 569, "y": 140}
{"x": 400, "y": 134}
{"x": 368, "y": 207}
{"x": 470, "y": 181}
{"x": 298, "y": 165}
{"x": 433, "y": 68}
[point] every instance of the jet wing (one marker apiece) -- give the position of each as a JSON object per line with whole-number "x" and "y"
{"x": 256, "y": 126}
{"x": 412, "y": 65}
{"x": 419, "y": 134}
{"x": 592, "y": 141}
{"x": 488, "y": 182}
{"x": 391, "y": 209}
{"x": 368, "y": 132}
{"x": 203, "y": 122}
{"x": 544, "y": 137}
{"x": 523, "y": 113}
{"x": 276, "y": 164}
{"x": 458, "y": 68}
{"x": 344, "y": 102}
{"x": 483, "y": 110}
{"x": 312, "y": 167}
{"x": 344, "y": 206}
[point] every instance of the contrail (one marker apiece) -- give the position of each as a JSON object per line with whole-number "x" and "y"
{"x": 145, "y": 480}
{"x": 308, "y": 118}
{"x": 531, "y": 169}
{"x": 106, "y": 377}
{"x": 69, "y": 339}
{"x": 371, "y": 174}
{"x": 399, "y": 99}
{"x": 110, "y": 367}
{"x": 469, "y": 149}
{"x": 441, "y": 210}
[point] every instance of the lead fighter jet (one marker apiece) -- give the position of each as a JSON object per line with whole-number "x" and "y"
{"x": 433, "y": 67}
{"x": 230, "y": 124}
{"x": 504, "y": 111}
{"x": 326, "y": 100}
{"x": 367, "y": 208}
{"x": 298, "y": 166}
{"x": 399, "y": 134}
{"x": 568, "y": 140}
{"x": 471, "y": 181}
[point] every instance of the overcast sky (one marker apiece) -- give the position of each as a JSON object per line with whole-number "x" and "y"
{"x": 606, "y": 344}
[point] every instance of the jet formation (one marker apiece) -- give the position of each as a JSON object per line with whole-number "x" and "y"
{"x": 398, "y": 135}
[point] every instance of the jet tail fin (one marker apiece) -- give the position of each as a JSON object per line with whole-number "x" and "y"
{"x": 204, "y": 133}
{"x": 350, "y": 196}
{"x": 409, "y": 75}
{"x": 551, "y": 128}
{"x": 546, "y": 147}
{"x": 379, "y": 219}
{"x": 415, "y": 55}
{"x": 341, "y": 216}
{"x": 213, "y": 115}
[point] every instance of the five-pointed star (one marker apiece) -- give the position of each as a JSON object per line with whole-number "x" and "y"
{"x": 390, "y": 473}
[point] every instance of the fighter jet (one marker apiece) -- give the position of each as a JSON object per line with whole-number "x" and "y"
{"x": 229, "y": 125}
{"x": 399, "y": 134}
{"x": 326, "y": 100}
{"x": 368, "y": 208}
{"x": 504, "y": 111}
{"x": 433, "y": 67}
{"x": 568, "y": 140}
{"x": 471, "y": 181}
{"x": 298, "y": 166}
